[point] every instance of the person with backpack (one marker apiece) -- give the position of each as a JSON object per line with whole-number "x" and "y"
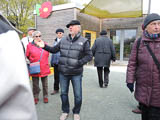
{"x": 143, "y": 70}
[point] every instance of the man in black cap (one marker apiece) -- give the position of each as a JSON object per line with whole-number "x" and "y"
{"x": 143, "y": 68}
{"x": 74, "y": 53}
{"x": 55, "y": 60}
{"x": 73, "y": 22}
{"x": 103, "y": 50}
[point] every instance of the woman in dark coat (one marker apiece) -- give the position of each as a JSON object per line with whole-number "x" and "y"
{"x": 103, "y": 50}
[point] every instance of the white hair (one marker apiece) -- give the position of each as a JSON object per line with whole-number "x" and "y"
{"x": 79, "y": 28}
{"x": 35, "y": 33}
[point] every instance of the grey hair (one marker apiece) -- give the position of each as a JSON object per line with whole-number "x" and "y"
{"x": 35, "y": 33}
{"x": 79, "y": 28}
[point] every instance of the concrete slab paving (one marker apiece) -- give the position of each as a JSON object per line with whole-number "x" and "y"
{"x": 112, "y": 103}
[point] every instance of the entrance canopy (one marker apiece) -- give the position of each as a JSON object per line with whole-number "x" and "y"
{"x": 114, "y": 8}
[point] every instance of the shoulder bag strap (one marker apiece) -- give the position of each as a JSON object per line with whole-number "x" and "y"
{"x": 153, "y": 56}
{"x": 41, "y": 55}
{"x": 28, "y": 39}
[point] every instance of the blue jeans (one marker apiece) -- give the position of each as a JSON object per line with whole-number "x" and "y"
{"x": 77, "y": 90}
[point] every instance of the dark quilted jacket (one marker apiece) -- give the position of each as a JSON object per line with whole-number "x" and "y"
{"x": 147, "y": 76}
{"x": 73, "y": 54}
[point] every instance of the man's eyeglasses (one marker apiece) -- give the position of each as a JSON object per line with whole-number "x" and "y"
{"x": 38, "y": 36}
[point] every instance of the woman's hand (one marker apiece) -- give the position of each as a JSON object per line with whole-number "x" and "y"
{"x": 40, "y": 43}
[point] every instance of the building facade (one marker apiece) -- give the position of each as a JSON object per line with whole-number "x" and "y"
{"x": 123, "y": 31}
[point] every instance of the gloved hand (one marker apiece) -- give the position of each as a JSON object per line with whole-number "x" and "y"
{"x": 130, "y": 86}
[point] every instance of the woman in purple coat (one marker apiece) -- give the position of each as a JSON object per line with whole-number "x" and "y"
{"x": 143, "y": 71}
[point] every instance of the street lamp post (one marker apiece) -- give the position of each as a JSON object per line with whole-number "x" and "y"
{"x": 149, "y": 7}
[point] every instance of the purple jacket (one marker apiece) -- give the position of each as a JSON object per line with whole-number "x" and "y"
{"x": 145, "y": 73}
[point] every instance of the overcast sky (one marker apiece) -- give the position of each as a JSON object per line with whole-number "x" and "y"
{"x": 155, "y": 5}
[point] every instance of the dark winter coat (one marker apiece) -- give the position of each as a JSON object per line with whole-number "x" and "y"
{"x": 103, "y": 50}
{"x": 145, "y": 72}
{"x": 73, "y": 54}
{"x": 55, "y": 56}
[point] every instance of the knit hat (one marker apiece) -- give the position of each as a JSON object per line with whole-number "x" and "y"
{"x": 59, "y": 30}
{"x": 150, "y": 18}
{"x": 103, "y": 32}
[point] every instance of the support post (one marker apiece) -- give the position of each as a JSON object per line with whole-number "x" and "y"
{"x": 149, "y": 7}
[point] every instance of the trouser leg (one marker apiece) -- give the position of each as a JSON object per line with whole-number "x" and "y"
{"x": 106, "y": 76}
{"x": 154, "y": 113}
{"x": 99, "y": 71}
{"x": 145, "y": 112}
{"x": 150, "y": 113}
{"x": 45, "y": 86}
{"x": 139, "y": 106}
{"x": 64, "y": 84}
{"x": 36, "y": 89}
{"x": 77, "y": 89}
{"x": 56, "y": 78}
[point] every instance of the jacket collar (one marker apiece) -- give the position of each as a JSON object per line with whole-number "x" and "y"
{"x": 75, "y": 38}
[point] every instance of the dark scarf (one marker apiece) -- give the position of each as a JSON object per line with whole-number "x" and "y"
{"x": 75, "y": 37}
{"x": 151, "y": 36}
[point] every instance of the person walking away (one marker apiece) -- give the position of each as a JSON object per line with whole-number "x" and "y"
{"x": 34, "y": 54}
{"x": 74, "y": 53}
{"x": 55, "y": 60}
{"x": 143, "y": 71}
{"x": 103, "y": 51}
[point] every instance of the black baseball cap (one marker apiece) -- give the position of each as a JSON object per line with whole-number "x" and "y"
{"x": 73, "y": 22}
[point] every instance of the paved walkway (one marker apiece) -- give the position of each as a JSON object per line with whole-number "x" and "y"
{"x": 119, "y": 63}
{"x": 112, "y": 103}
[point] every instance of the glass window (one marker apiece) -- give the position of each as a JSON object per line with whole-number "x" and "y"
{"x": 129, "y": 35}
{"x": 129, "y": 38}
{"x": 115, "y": 36}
